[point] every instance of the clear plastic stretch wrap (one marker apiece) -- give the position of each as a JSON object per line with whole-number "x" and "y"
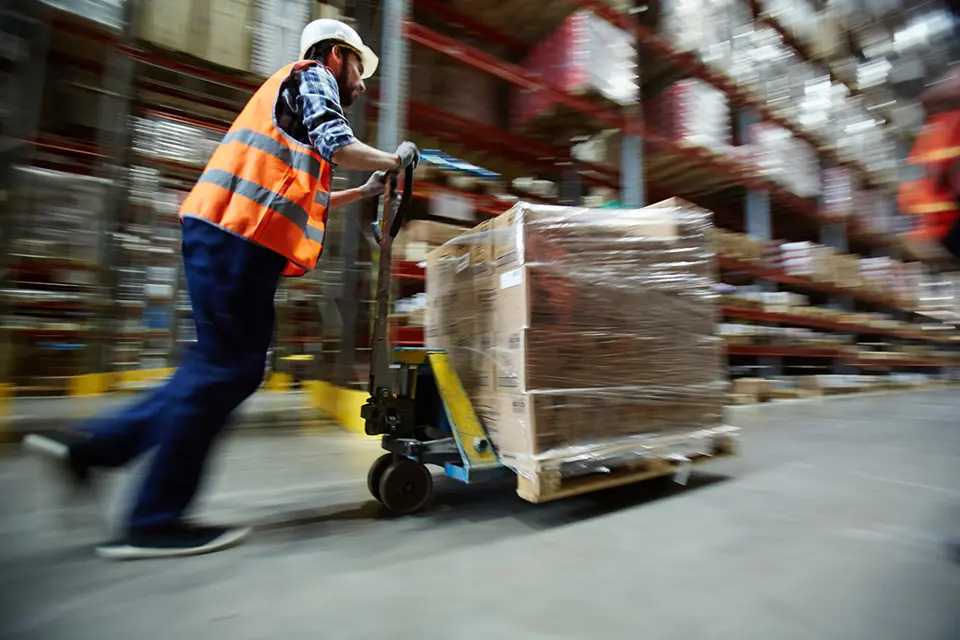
{"x": 582, "y": 335}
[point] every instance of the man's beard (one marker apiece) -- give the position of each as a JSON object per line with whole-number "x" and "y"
{"x": 346, "y": 93}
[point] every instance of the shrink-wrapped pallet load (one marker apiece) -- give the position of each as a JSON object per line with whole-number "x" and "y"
{"x": 581, "y": 335}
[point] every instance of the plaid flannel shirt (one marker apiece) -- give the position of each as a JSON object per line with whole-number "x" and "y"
{"x": 310, "y": 111}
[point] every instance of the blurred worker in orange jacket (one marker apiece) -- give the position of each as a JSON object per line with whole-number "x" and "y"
{"x": 935, "y": 196}
{"x": 258, "y": 211}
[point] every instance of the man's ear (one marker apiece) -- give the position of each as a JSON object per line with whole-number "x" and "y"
{"x": 337, "y": 53}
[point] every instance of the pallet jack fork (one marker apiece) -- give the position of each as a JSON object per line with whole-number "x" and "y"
{"x": 417, "y": 402}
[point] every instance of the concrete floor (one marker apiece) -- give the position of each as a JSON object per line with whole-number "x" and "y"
{"x": 835, "y": 523}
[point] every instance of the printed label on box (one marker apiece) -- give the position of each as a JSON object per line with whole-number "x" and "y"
{"x": 511, "y": 278}
{"x": 463, "y": 262}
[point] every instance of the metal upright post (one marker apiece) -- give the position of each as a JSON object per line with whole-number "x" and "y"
{"x": 633, "y": 192}
{"x": 632, "y": 189}
{"x": 24, "y": 44}
{"x": 759, "y": 225}
{"x": 346, "y": 302}
{"x": 393, "y": 74}
{"x": 834, "y": 235}
{"x": 394, "y": 53}
{"x": 571, "y": 185}
{"x": 114, "y": 138}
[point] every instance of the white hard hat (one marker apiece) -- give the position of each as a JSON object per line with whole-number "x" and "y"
{"x": 327, "y": 29}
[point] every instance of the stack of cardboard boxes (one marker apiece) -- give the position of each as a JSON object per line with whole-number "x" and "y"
{"x": 573, "y": 329}
{"x": 246, "y": 35}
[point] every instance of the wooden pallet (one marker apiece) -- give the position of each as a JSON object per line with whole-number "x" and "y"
{"x": 741, "y": 399}
{"x": 844, "y": 391}
{"x": 546, "y": 486}
{"x": 792, "y": 394}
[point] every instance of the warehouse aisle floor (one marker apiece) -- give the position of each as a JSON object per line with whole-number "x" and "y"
{"x": 835, "y": 523}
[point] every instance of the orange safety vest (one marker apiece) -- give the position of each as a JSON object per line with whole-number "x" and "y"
{"x": 265, "y": 186}
{"x": 936, "y": 150}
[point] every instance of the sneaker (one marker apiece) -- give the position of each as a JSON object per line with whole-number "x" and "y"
{"x": 57, "y": 450}
{"x": 73, "y": 476}
{"x": 172, "y": 541}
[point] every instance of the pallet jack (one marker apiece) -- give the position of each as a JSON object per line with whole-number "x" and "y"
{"x": 417, "y": 402}
{"x": 420, "y": 409}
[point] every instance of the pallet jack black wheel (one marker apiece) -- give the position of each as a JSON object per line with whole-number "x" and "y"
{"x": 376, "y": 473}
{"x": 406, "y": 486}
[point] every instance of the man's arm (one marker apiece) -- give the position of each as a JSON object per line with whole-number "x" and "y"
{"x": 329, "y": 131}
{"x": 343, "y": 198}
{"x": 362, "y": 157}
{"x": 373, "y": 187}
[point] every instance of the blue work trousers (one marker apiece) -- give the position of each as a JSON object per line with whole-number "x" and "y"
{"x": 231, "y": 283}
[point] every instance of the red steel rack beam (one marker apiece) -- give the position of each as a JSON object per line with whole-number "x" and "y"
{"x": 505, "y": 140}
{"x": 518, "y": 76}
{"x": 781, "y": 352}
{"x": 886, "y": 364}
{"x": 604, "y": 114}
{"x": 169, "y": 114}
{"x": 451, "y": 16}
{"x": 690, "y": 64}
{"x": 815, "y": 323}
{"x": 775, "y": 275}
{"x": 540, "y": 156}
{"x": 482, "y": 203}
{"x": 210, "y": 75}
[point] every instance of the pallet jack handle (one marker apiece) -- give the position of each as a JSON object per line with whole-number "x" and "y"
{"x": 390, "y": 194}
{"x": 390, "y": 217}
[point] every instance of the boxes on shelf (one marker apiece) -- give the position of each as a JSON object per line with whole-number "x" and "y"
{"x": 839, "y": 189}
{"x": 878, "y": 273}
{"x": 788, "y": 160}
{"x": 586, "y": 56}
{"x": 750, "y": 390}
{"x": 174, "y": 25}
{"x": 782, "y": 301}
{"x": 874, "y": 211}
{"x": 577, "y": 332}
{"x": 846, "y": 271}
{"x": 323, "y": 10}
{"x": 419, "y": 237}
{"x": 466, "y": 92}
{"x": 737, "y": 245}
{"x": 691, "y": 111}
{"x": 276, "y": 33}
{"x": 905, "y": 285}
{"x": 107, "y": 12}
{"x": 803, "y": 259}
{"x": 227, "y": 36}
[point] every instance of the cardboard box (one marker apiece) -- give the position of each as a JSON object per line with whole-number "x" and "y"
{"x": 572, "y": 327}
{"x": 226, "y": 32}
{"x": 174, "y": 24}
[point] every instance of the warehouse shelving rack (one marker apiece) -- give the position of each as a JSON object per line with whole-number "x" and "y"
{"x": 741, "y": 200}
{"x": 759, "y": 195}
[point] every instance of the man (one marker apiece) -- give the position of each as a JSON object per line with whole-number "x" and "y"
{"x": 935, "y": 195}
{"x": 257, "y": 212}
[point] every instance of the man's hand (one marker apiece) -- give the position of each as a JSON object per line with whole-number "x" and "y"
{"x": 374, "y": 186}
{"x": 408, "y": 154}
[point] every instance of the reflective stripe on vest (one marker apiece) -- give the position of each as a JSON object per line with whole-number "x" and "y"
{"x": 294, "y": 159}
{"x": 261, "y": 195}
{"x": 264, "y": 185}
